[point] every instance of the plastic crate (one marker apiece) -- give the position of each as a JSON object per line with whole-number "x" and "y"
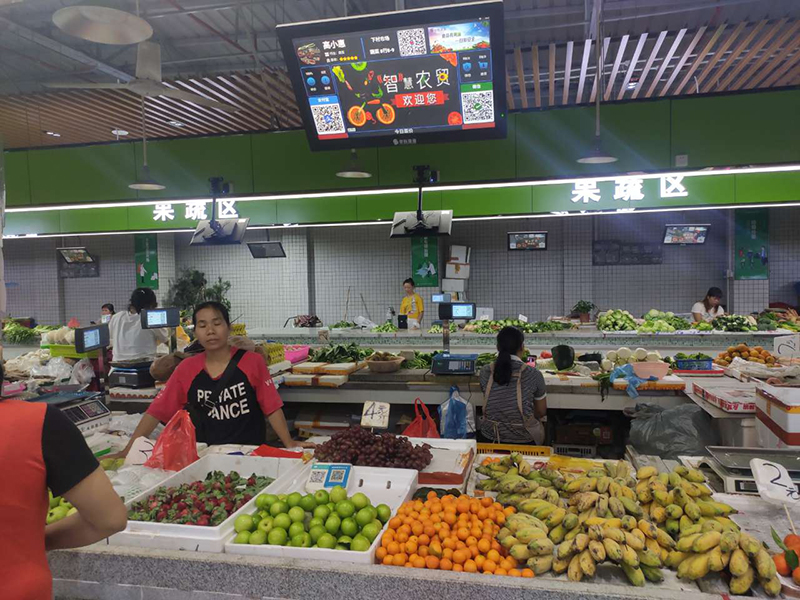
{"x": 296, "y": 354}
{"x": 575, "y": 450}
{"x": 172, "y": 536}
{"x": 694, "y": 365}
{"x": 68, "y": 351}
{"x": 523, "y": 449}
{"x": 382, "y": 486}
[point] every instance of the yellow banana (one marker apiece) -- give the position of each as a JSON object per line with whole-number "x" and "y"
{"x": 765, "y": 566}
{"x": 749, "y": 544}
{"x": 741, "y": 585}
{"x": 664, "y": 539}
{"x": 613, "y": 549}
{"x": 560, "y": 565}
{"x": 587, "y": 564}
{"x": 597, "y": 550}
{"x": 739, "y": 563}
{"x": 715, "y": 560}
{"x": 629, "y": 556}
{"x": 581, "y": 542}
{"x": 685, "y": 543}
{"x": 574, "y": 571}
{"x": 772, "y": 586}
{"x": 646, "y": 473}
{"x": 647, "y": 528}
{"x": 675, "y": 558}
{"x": 614, "y": 534}
{"x": 540, "y": 564}
{"x": 706, "y": 542}
{"x": 634, "y": 574}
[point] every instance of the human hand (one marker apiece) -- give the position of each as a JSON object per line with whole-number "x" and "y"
{"x": 299, "y": 444}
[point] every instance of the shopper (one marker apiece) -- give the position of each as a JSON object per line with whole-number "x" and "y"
{"x": 40, "y": 448}
{"x": 411, "y": 305}
{"x": 107, "y": 311}
{"x": 709, "y": 309}
{"x": 227, "y": 392}
{"x": 515, "y": 395}
{"x": 128, "y": 340}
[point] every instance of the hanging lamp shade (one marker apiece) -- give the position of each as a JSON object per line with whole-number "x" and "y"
{"x": 102, "y": 25}
{"x": 353, "y": 169}
{"x": 145, "y": 181}
{"x": 597, "y": 155}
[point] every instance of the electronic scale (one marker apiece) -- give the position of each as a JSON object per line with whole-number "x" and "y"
{"x": 732, "y": 465}
{"x": 445, "y": 363}
{"x": 85, "y": 409}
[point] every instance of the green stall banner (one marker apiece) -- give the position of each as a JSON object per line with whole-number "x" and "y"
{"x": 752, "y": 243}
{"x": 425, "y": 261}
{"x": 146, "y": 256}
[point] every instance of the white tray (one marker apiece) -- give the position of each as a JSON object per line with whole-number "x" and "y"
{"x": 173, "y": 536}
{"x": 381, "y": 486}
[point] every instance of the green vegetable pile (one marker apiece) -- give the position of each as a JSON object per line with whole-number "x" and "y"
{"x": 616, "y": 320}
{"x": 343, "y": 325}
{"x": 421, "y": 360}
{"x": 489, "y": 327}
{"x": 737, "y": 323}
{"x": 14, "y": 333}
{"x": 341, "y": 353}
{"x": 438, "y": 328}
{"x": 668, "y": 318}
{"x": 698, "y": 356}
{"x": 387, "y": 327}
{"x": 704, "y": 326}
{"x": 486, "y": 358}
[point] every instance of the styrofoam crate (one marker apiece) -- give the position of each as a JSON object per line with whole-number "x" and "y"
{"x": 173, "y": 536}
{"x": 382, "y": 486}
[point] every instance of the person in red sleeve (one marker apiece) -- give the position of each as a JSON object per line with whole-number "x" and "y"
{"x": 227, "y": 392}
{"x": 41, "y": 448}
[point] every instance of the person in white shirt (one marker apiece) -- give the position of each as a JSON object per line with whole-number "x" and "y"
{"x": 709, "y": 309}
{"x": 128, "y": 340}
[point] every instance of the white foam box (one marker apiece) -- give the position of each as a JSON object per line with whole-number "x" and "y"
{"x": 456, "y": 271}
{"x": 333, "y": 381}
{"x": 454, "y": 285}
{"x": 738, "y": 400}
{"x": 309, "y": 367}
{"x": 342, "y": 368}
{"x": 459, "y": 254}
{"x": 381, "y": 486}
{"x": 778, "y": 414}
{"x": 295, "y": 380}
{"x": 172, "y": 536}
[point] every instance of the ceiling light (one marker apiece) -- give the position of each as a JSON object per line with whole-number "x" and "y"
{"x": 52, "y": 134}
{"x": 353, "y": 169}
{"x": 119, "y": 132}
{"x": 632, "y": 85}
{"x": 597, "y": 156}
{"x": 146, "y": 181}
{"x": 102, "y": 25}
{"x": 175, "y": 123}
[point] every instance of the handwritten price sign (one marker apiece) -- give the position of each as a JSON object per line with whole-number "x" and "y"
{"x": 774, "y": 484}
{"x": 375, "y": 414}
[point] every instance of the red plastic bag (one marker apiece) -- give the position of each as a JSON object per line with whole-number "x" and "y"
{"x": 423, "y": 425}
{"x": 176, "y": 447}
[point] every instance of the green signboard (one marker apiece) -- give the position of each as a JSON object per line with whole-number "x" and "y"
{"x": 425, "y": 261}
{"x": 146, "y": 255}
{"x": 752, "y": 243}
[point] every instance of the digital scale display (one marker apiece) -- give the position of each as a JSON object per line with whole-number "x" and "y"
{"x": 83, "y": 412}
{"x": 156, "y": 318}
{"x": 463, "y": 311}
{"x": 91, "y": 338}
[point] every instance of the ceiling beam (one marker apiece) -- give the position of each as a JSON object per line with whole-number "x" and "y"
{"x": 537, "y": 90}
{"x": 751, "y": 53}
{"x": 700, "y": 58}
{"x": 587, "y": 52}
{"x": 567, "y": 73}
{"x": 719, "y": 53}
{"x": 551, "y": 75}
{"x": 780, "y": 71}
{"x": 632, "y": 67}
{"x": 767, "y": 55}
{"x": 731, "y": 58}
{"x": 615, "y": 69}
{"x": 665, "y": 63}
{"x": 686, "y": 54}
{"x": 58, "y": 47}
{"x": 523, "y": 92}
{"x": 649, "y": 63}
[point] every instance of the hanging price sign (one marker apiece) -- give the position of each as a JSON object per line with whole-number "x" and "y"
{"x": 375, "y": 415}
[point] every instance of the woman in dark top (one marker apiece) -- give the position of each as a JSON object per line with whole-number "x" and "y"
{"x": 515, "y": 394}
{"x": 39, "y": 449}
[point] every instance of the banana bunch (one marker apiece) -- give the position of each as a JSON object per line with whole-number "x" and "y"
{"x": 525, "y": 537}
{"x": 512, "y": 475}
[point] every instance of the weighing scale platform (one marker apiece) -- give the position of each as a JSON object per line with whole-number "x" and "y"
{"x": 85, "y": 409}
{"x": 736, "y": 480}
{"x": 445, "y": 363}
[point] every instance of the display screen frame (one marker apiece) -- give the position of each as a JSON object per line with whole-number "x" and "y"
{"x": 512, "y": 233}
{"x": 75, "y": 256}
{"x": 493, "y": 9}
{"x": 667, "y": 228}
{"x": 454, "y": 311}
{"x": 91, "y": 338}
{"x": 172, "y": 316}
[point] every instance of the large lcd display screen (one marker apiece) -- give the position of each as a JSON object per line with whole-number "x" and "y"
{"x": 417, "y": 76}
{"x": 685, "y": 234}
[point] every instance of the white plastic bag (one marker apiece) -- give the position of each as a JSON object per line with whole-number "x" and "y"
{"x": 82, "y": 372}
{"x": 365, "y": 323}
{"x": 57, "y": 369}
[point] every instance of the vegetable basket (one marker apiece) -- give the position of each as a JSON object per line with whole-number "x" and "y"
{"x": 385, "y": 366}
{"x": 694, "y": 364}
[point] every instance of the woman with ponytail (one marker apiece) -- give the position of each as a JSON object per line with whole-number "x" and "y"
{"x": 515, "y": 394}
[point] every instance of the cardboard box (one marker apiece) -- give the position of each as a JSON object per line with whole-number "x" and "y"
{"x": 454, "y": 285}
{"x": 778, "y": 412}
{"x": 459, "y": 254}
{"x": 741, "y": 400}
{"x": 456, "y": 271}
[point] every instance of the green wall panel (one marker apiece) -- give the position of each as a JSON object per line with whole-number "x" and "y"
{"x": 491, "y": 201}
{"x": 283, "y": 162}
{"x": 32, "y": 222}
{"x": 371, "y": 207}
{"x": 94, "y": 219}
{"x": 550, "y": 142}
{"x": 18, "y": 188}
{"x": 466, "y": 161}
{"x": 767, "y": 187}
{"x": 82, "y": 174}
{"x": 318, "y": 210}
{"x": 261, "y": 212}
{"x": 185, "y": 165}
{"x": 738, "y": 129}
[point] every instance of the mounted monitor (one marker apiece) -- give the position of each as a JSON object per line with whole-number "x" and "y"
{"x": 266, "y": 249}
{"x": 91, "y": 338}
{"x": 433, "y": 222}
{"x": 527, "y": 240}
{"x": 156, "y": 318}
{"x": 219, "y": 232}
{"x": 686, "y": 234}
{"x": 78, "y": 255}
{"x": 452, "y": 311}
{"x": 408, "y": 77}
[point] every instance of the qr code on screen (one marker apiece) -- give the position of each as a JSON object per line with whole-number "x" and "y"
{"x": 412, "y": 42}
{"x": 317, "y": 476}
{"x": 327, "y": 119}
{"x": 478, "y": 107}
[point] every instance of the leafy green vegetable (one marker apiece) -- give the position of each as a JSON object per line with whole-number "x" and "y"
{"x": 736, "y": 323}
{"x": 387, "y": 327}
{"x": 343, "y": 325}
{"x": 616, "y": 320}
{"x": 14, "y": 333}
{"x": 438, "y": 328}
{"x": 421, "y": 360}
{"x": 341, "y": 353}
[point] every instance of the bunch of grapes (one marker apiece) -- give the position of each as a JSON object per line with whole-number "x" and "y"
{"x": 358, "y": 446}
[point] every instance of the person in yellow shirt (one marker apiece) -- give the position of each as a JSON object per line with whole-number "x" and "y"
{"x": 411, "y": 305}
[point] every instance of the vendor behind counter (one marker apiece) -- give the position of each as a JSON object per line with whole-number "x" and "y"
{"x": 129, "y": 341}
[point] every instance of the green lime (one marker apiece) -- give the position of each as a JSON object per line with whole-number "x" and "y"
{"x": 364, "y": 517}
{"x": 258, "y": 538}
{"x": 338, "y": 494}
{"x": 269, "y": 500}
{"x": 340, "y": 547}
{"x": 243, "y": 537}
{"x": 344, "y": 540}
{"x": 295, "y": 529}
{"x": 349, "y": 526}
{"x": 345, "y": 509}
{"x": 326, "y": 540}
{"x": 316, "y": 532}
{"x": 316, "y": 521}
{"x": 332, "y": 524}
{"x": 282, "y": 521}
{"x": 307, "y": 503}
{"x": 266, "y": 524}
{"x": 371, "y": 531}
{"x": 378, "y": 524}
{"x": 360, "y": 544}
{"x": 301, "y": 540}
{"x": 297, "y": 514}
{"x": 243, "y": 523}
{"x": 261, "y": 501}
{"x": 321, "y": 497}
{"x": 384, "y": 512}
{"x": 263, "y": 514}
{"x": 283, "y": 497}
{"x": 294, "y": 499}
{"x": 322, "y": 512}
{"x": 277, "y": 537}
{"x": 278, "y": 508}
{"x": 359, "y": 500}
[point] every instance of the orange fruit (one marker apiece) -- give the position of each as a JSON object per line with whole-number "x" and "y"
{"x": 471, "y": 541}
{"x": 496, "y": 545}
{"x": 470, "y": 567}
{"x": 418, "y": 562}
{"x": 387, "y": 560}
{"x": 527, "y": 573}
{"x": 449, "y": 543}
{"x": 380, "y": 553}
{"x": 417, "y": 528}
{"x": 425, "y": 538}
{"x": 395, "y": 522}
{"x": 458, "y": 568}
{"x": 432, "y": 562}
{"x": 402, "y": 537}
{"x": 506, "y": 564}
{"x": 423, "y": 551}
{"x": 483, "y": 514}
{"x": 460, "y": 545}
{"x": 462, "y": 507}
{"x": 393, "y": 548}
{"x": 476, "y": 532}
{"x": 462, "y": 533}
{"x": 791, "y": 540}
{"x": 489, "y": 566}
{"x": 446, "y": 564}
{"x": 796, "y": 576}
{"x": 484, "y": 545}
{"x": 515, "y": 573}
{"x": 404, "y": 529}
{"x": 500, "y": 571}
{"x": 486, "y": 502}
{"x": 479, "y": 560}
{"x": 781, "y": 565}
{"x": 399, "y": 560}
{"x": 450, "y": 517}
{"x": 509, "y": 510}
{"x": 494, "y": 556}
{"x": 500, "y": 518}
{"x": 460, "y": 556}
{"x": 473, "y": 551}
{"x": 411, "y": 547}
{"x": 432, "y": 495}
{"x": 414, "y": 514}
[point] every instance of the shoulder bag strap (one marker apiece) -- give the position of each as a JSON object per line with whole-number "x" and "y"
{"x": 224, "y": 378}
{"x": 489, "y": 384}
{"x": 523, "y": 366}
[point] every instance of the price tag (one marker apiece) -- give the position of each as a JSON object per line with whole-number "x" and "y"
{"x": 773, "y": 481}
{"x": 787, "y": 345}
{"x": 375, "y": 414}
{"x": 523, "y": 318}
{"x": 483, "y": 318}
{"x": 328, "y": 475}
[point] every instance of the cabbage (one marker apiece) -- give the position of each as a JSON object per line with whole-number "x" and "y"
{"x": 611, "y": 355}
{"x": 652, "y": 357}
{"x": 624, "y": 353}
{"x": 640, "y": 354}
{"x": 607, "y": 365}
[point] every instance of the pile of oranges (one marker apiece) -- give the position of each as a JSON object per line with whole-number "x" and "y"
{"x": 449, "y": 533}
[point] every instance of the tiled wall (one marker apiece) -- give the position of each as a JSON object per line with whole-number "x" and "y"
{"x": 366, "y": 262}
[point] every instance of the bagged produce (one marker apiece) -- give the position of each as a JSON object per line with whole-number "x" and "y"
{"x": 176, "y": 447}
{"x": 57, "y": 369}
{"x": 456, "y": 417}
{"x": 683, "y": 430}
{"x": 82, "y": 372}
{"x": 423, "y": 424}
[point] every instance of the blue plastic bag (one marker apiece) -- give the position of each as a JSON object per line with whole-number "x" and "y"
{"x": 634, "y": 382}
{"x": 456, "y": 417}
